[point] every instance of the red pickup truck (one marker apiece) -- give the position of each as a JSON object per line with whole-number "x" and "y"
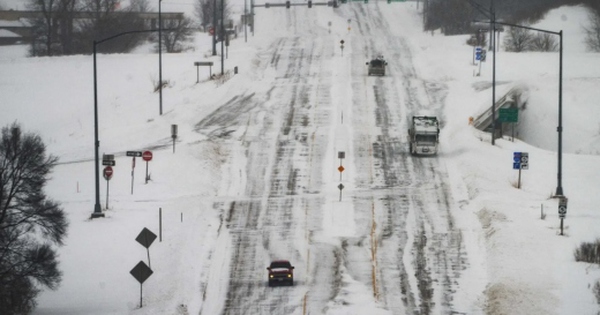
{"x": 281, "y": 272}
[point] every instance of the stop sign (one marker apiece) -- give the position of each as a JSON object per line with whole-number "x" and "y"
{"x": 108, "y": 172}
{"x": 147, "y": 156}
{"x": 211, "y": 30}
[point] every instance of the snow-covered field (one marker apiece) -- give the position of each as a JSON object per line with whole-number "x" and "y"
{"x": 517, "y": 262}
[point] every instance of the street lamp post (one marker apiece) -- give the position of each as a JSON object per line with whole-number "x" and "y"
{"x": 97, "y": 208}
{"x": 492, "y": 16}
{"x": 559, "y": 189}
{"x": 559, "y": 129}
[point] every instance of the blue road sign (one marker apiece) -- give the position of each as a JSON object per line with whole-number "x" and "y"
{"x": 520, "y": 160}
{"x": 478, "y": 53}
{"x": 516, "y": 160}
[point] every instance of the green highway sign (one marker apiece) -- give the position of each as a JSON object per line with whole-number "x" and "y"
{"x": 508, "y": 114}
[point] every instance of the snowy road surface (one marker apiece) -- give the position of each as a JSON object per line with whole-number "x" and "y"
{"x": 393, "y": 215}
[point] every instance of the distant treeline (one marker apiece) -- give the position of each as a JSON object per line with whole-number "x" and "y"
{"x": 455, "y": 16}
{"x": 534, "y": 10}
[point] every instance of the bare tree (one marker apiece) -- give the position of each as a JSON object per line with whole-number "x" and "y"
{"x": 478, "y": 39}
{"x": 65, "y": 16}
{"x": 106, "y": 20}
{"x": 204, "y": 12}
{"x": 178, "y": 32}
{"x": 30, "y": 223}
{"x": 592, "y": 32}
{"x": 451, "y": 16}
{"x": 44, "y": 28}
{"x": 543, "y": 42}
{"x": 209, "y": 12}
{"x": 139, "y": 6}
{"x": 518, "y": 39}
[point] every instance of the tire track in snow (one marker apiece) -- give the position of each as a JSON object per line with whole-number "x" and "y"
{"x": 420, "y": 253}
{"x": 282, "y": 161}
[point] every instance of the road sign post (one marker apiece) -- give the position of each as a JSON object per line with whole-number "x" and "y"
{"x": 341, "y": 156}
{"x": 132, "y": 172}
{"x": 562, "y": 211}
{"x": 147, "y": 156}
{"x": 108, "y": 172}
{"x": 509, "y": 115}
{"x": 478, "y": 58}
{"x": 520, "y": 162}
{"x": 146, "y": 238}
{"x": 341, "y": 187}
{"x": 203, "y": 63}
{"x": 174, "y": 135}
{"x": 108, "y": 159}
{"x": 133, "y": 154}
{"x": 141, "y": 272}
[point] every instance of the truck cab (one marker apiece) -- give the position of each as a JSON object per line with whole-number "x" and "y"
{"x": 376, "y": 66}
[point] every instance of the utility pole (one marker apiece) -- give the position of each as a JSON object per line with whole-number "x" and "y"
{"x": 222, "y": 34}
{"x": 160, "y": 83}
{"x": 493, "y": 40}
{"x": 214, "y": 42}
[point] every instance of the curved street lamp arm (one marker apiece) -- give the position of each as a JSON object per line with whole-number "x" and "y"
{"x": 124, "y": 33}
{"x": 480, "y": 8}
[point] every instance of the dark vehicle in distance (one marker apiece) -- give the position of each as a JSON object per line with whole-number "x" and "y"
{"x": 281, "y": 272}
{"x": 376, "y": 66}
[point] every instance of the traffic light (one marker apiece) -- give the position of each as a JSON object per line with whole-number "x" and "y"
{"x": 310, "y": 4}
{"x": 287, "y": 4}
{"x": 482, "y": 56}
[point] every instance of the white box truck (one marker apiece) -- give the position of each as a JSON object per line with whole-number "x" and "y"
{"x": 423, "y": 135}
